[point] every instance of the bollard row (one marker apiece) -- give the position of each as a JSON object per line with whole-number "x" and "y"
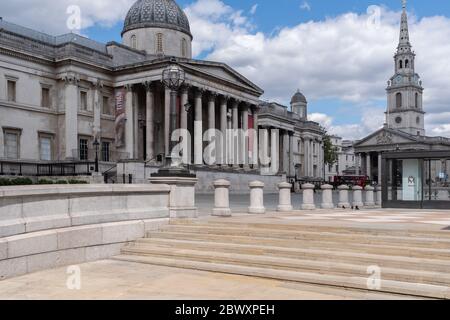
{"x": 372, "y": 197}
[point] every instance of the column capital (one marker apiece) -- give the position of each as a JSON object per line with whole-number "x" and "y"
{"x": 224, "y": 98}
{"x": 212, "y": 96}
{"x": 71, "y": 78}
{"x": 199, "y": 92}
{"x": 128, "y": 87}
{"x": 235, "y": 103}
{"x": 97, "y": 84}
{"x": 185, "y": 88}
{"x": 149, "y": 85}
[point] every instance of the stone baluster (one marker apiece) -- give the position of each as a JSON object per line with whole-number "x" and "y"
{"x": 327, "y": 197}
{"x": 343, "y": 196}
{"x": 256, "y": 198}
{"x": 369, "y": 196}
{"x": 285, "y": 203}
{"x": 357, "y": 197}
{"x": 308, "y": 197}
{"x": 222, "y": 198}
{"x": 379, "y": 196}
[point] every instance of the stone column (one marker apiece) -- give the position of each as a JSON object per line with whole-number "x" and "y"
{"x": 136, "y": 125}
{"x": 285, "y": 204}
{"x": 221, "y": 199}
{"x": 167, "y": 132}
{"x": 98, "y": 85}
{"x": 357, "y": 197}
{"x": 378, "y": 196}
{"x": 235, "y": 126}
{"x": 306, "y": 153}
{"x": 255, "y": 150}
{"x": 150, "y": 123}
{"x": 245, "y": 140}
{"x": 369, "y": 196}
{"x": 368, "y": 166}
{"x": 274, "y": 149}
{"x": 184, "y": 101}
{"x": 358, "y": 164}
{"x": 129, "y": 114}
{"x": 71, "y": 115}
{"x": 256, "y": 198}
{"x": 198, "y": 129}
{"x": 308, "y": 197}
{"x": 223, "y": 128}
{"x": 379, "y": 169}
{"x": 327, "y": 197}
{"x": 286, "y": 152}
{"x": 343, "y": 197}
{"x": 291, "y": 155}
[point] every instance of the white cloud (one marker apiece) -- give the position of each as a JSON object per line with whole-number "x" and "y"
{"x": 305, "y": 6}
{"x": 253, "y": 9}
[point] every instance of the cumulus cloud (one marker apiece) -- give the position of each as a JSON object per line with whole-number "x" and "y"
{"x": 253, "y": 9}
{"x": 305, "y": 6}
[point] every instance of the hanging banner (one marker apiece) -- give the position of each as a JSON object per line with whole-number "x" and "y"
{"x": 120, "y": 118}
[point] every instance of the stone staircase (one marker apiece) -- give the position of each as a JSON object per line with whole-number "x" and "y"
{"x": 412, "y": 263}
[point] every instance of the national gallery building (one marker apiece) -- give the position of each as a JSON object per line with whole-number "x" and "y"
{"x": 64, "y": 99}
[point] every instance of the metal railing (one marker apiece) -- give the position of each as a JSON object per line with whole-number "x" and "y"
{"x": 48, "y": 169}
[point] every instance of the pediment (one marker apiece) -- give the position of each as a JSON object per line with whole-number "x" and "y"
{"x": 386, "y": 137}
{"x": 223, "y": 72}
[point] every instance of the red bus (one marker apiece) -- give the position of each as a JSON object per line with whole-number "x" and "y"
{"x": 351, "y": 180}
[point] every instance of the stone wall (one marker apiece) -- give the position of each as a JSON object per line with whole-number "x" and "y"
{"x": 49, "y": 226}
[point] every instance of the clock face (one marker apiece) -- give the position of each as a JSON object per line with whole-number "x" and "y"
{"x": 398, "y": 120}
{"x": 398, "y": 79}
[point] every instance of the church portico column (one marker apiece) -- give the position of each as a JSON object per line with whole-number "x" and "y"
{"x": 234, "y": 136}
{"x": 212, "y": 119}
{"x": 286, "y": 152}
{"x": 379, "y": 168}
{"x": 150, "y": 124}
{"x": 368, "y": 166}
{"x": 223, "y": 128}
{"x": 71, "y": 115}
{"x": 245, "y": 139}
{"x": 198, "y": 128}
{"x": 255, "y": 139}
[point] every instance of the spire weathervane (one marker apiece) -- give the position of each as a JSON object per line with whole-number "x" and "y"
{"x": 404, "y": 4}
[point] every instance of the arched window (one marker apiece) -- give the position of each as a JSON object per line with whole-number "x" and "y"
{"x": 398, "y": 98}
{"x": 406, "y": 63}
{"x": 401, "y": 64}
{"x": 417, "y": 100}
{"x": 134, "y": 42}
{"x": 159, "y": 43}
{"x": 183, "y": 48}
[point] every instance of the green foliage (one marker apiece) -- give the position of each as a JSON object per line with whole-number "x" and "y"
{"x": 5, "y": 182}
{"x": 72, "y": 181}
{"x": 61, "y": 182}
{"x": 43, "y": 181}
{"x": 330, "y": 151}
{"x": 16, "y": 182}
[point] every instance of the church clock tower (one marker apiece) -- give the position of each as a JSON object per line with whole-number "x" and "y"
{"x": 405, "y": 91}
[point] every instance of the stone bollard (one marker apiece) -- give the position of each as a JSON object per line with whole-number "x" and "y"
{"x": 308, "y": 197}
{"x": 343, "y": 197}
{"x": 357, "y": 197}
{"x": 369, "y": 196}
{"x": 222, "y": 198}
{"x": 378, "y": 197}
{"x": 327, "y": 197}
{"x": 256, "y": 197}
{"x": 285, "y": 203}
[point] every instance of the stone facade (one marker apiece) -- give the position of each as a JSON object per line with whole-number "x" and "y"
{"x": 60, "y": 94}
{"x": 348, "y": 163}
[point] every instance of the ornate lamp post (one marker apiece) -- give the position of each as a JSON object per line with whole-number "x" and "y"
{"x": 173, "y": 78}
{"x": 96, "y": 145}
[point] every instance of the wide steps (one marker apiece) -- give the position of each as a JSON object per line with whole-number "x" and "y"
{"x": 385, "y": 249}
{"x": 350, "y": 282}
{"x": 380, "y": 260}
{"x": 308, "y": 235}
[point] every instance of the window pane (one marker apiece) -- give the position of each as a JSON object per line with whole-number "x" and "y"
{"x": 436, "y": 173}
{"x": 83, "y": 149}
{"x": 11, "y": 91}
{"x": 46, "y": 149}
{"x": 106, "y": 107}
{"x": 11, "y": 145}
{"x": 45, "y": 100}
{"x": 106, "y": 151}
{"x": 83, "y": 100}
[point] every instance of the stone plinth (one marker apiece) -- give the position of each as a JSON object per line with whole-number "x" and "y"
{"x": 182, "y": 195}
{"x": 357, "y": 197}
{"x": 308, "y": 197}
{"x": 369, "y": 200}
{"x": 327, "y": 197}
{"x": 285, "y": 203}
{"x": 379, "y": 196}
{"x": 221, "y": 198}
{"x": 343, "y": 196}
{"x": 256, "y": 198}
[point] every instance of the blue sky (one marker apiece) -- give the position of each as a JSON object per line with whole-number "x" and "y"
{"x": 324, "y": 48}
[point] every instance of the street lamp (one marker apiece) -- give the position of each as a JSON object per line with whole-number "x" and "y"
{"x": 173, "y": 77}
{"x": 96, "y": 145}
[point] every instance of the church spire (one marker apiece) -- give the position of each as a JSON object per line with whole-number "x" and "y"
{"x": 404, "y": 44}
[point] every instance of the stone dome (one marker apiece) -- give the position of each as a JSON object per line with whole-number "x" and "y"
{"x": 157, "y": 14}
{"x": 298, "y": 97}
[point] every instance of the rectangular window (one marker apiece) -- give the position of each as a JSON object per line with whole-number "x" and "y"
{"x": 45, "y": 148}
{"x": 84, "y": 149}
{"x": 83, "y": 100}
{"x": 106, "y": 106}
{"x": 11, "y": 145}
{"x": 45, "y": 98}
{"x": 106, "y": 155}
{"x": 11, "y": 91}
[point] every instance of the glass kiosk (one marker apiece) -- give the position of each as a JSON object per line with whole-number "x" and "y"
{"x": 416, "y": 179}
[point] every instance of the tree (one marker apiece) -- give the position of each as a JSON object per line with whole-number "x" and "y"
{"x": 330, "y": 151}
